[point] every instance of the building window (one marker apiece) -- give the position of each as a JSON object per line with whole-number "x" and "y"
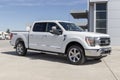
{"x": 101, "y": 17}
{"x": 101, "y": 24}
{"x": 101, "y": 6}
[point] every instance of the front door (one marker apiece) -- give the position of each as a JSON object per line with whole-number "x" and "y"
{"x": 54, "y": 42}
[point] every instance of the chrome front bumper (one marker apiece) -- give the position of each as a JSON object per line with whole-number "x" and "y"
{"x": 102, "y": 52}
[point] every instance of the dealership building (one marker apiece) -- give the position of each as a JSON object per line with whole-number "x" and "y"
{"x": 103, "y": 16}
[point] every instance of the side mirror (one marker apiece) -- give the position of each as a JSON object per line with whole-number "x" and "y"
{"x": 54, "y": 28}
{"x": 55, "y": 31}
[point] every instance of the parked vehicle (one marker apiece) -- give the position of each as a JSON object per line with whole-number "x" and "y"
{"x": 2, "y": 36}
{"x": 7, "y": 36}
{"x": 62, "y": 37}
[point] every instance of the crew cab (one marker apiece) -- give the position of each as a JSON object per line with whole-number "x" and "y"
{"x": 62, "y": 37}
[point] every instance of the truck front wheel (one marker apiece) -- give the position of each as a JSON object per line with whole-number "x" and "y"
{"x": 20, "y": 49}
{"x": 75, "y": 55}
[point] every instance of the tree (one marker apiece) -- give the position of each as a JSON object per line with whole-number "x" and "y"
{"x": 8, "y": 31}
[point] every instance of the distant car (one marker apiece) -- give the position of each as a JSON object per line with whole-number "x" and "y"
{"x": 1, "y": 37}
{"x": 7, "y": 36}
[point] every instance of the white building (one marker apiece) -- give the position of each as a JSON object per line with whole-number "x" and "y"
{"x": 103, "y": 17}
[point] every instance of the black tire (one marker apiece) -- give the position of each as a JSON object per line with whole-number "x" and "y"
{"x": 20, "y": 49}
{"x": 75, "y": 55}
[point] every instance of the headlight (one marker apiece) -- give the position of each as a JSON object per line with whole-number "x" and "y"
{"x": 90, "y": 41}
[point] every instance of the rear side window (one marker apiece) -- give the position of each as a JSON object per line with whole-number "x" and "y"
{"x": 39, "y": 27}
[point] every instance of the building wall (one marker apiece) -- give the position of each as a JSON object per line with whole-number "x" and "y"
{"x": 97, "y": 16}
{"x": 114, "y": 21}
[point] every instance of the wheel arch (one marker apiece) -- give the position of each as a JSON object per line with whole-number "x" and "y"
{"x": 19, "y": 40}
{"x": 73, "y": 43}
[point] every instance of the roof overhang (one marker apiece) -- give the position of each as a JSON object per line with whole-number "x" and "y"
{"x": 79, "y": 14}
{"x": 98, "y": 0}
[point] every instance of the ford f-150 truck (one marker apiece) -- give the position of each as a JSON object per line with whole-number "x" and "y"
{"x": 62, "y": 37}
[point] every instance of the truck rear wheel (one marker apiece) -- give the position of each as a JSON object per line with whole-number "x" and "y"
{"x": 20, "y": 49}
{"x": 75, "y": 55}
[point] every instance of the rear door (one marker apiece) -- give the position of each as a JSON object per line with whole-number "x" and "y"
{"x": 37, "y": 35}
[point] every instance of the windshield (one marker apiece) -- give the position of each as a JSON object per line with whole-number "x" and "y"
{"x": 70, "y": 27}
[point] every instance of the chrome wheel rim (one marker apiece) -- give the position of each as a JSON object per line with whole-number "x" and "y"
{"x": 19, "y": 48}
{"x": 74, "y": 55}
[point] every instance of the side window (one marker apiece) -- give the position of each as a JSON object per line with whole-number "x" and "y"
{"x": 50, "y": 25}
{"x": 39, "y": 27}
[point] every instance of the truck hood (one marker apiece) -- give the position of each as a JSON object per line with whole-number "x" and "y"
{"x": 87, "y": 34}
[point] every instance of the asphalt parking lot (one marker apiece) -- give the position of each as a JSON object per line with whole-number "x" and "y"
{"x": 37, "y": 66}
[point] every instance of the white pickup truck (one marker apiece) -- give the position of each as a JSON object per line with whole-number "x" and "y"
{"x": 62, "y": 37}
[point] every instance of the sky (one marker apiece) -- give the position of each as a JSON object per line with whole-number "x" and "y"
{"x": 17, "y": 14}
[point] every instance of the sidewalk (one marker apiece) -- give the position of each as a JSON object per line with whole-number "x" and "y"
{"x": 116, "y": 47}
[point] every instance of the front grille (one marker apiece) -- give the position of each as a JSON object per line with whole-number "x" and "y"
{"x": 105, "y": 41}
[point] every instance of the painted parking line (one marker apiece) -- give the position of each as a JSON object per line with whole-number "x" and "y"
{"x": 110, "y": 69}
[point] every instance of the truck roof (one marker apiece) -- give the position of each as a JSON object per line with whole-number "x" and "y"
{"x": 51, "y": 21}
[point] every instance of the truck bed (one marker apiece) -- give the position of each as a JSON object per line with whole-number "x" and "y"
{"x": 19, "y": 34}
